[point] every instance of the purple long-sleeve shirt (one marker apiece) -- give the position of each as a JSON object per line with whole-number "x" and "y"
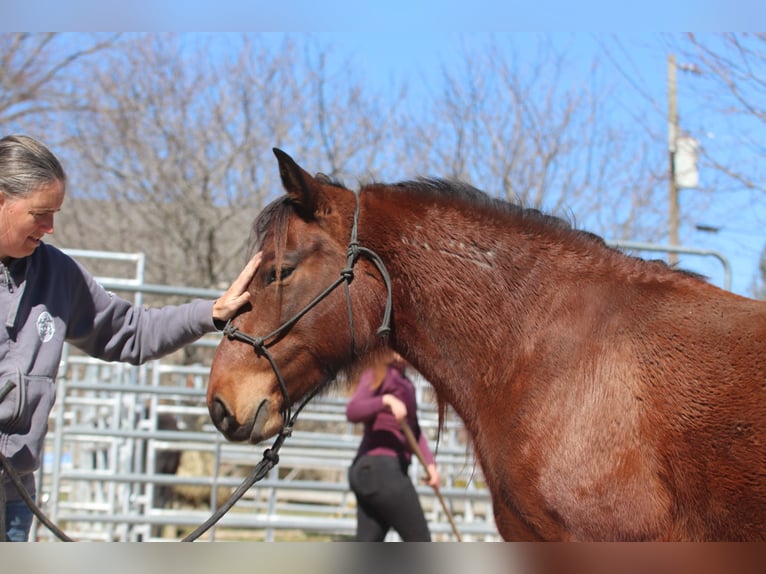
{"x": 383, "y": 436}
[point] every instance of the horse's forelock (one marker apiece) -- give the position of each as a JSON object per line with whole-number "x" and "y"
{"x": 271, "y": 225}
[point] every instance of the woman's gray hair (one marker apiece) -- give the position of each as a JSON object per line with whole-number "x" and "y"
{"x": 26, "y": 165}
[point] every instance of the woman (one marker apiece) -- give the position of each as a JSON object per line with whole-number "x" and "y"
{"x": 385, "y": 495}
{"x": 47, "y": 298}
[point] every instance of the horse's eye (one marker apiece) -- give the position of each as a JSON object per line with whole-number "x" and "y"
{"x": 284, "y": 273}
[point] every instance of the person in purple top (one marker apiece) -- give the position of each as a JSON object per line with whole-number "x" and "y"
{"x": 386, "y": 497}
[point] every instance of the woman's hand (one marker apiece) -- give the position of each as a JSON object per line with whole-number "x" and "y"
{"x": 433, "y": 478}
{"x": 396, "y": 406}
{"x": 236, "y": 295}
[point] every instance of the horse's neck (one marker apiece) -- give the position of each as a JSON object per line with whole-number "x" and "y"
{"x": 463, "y": 289}
{"x": 461, "y": 273}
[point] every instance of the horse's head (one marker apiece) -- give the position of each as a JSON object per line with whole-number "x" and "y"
{"x": 304, "y": 237}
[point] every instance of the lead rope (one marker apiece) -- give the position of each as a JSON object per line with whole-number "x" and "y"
{"x": 270, "y": 460}
{"x": 11, "y": 473}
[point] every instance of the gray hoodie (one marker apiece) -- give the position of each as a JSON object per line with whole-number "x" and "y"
{"x": 47, "y": 299}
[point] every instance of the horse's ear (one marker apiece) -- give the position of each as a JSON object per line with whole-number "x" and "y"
{"x": 300, "y": 186}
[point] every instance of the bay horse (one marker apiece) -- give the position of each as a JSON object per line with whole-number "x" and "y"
{"x": 607, "y": 397}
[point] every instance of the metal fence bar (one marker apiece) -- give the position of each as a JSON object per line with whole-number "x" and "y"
{"x": 643, "y": 246}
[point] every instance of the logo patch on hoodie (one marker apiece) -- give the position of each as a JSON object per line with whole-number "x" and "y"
{"x": 46, "y": 328}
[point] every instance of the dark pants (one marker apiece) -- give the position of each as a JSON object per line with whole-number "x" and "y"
{"x": 386, "y": 498}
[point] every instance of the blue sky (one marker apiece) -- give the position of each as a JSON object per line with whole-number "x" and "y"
{"x": 419, "y": 58}
{"x": 381, "y": 15}
{"x": 393, "y": 40}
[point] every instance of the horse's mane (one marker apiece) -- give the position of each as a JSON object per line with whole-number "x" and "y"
{"x": 530, "y": 218}
{"x": 273, "y": 218}
{"x": 457, "y": 190}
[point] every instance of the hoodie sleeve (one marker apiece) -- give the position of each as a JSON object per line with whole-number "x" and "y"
{"x": 110, "y": 328}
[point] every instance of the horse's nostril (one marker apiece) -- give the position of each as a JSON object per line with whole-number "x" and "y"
{"x": 225, "y": 420}
{"x": 219, "y": 411}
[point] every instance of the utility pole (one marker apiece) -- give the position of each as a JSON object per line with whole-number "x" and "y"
{"x": 673, "y": 208}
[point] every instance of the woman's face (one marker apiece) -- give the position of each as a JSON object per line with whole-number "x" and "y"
{"x": 24, "y": 221}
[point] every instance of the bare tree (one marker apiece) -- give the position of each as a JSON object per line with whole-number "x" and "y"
{"x": 172, "y": 152}
{"x": 173, "y": 149}
{"x": 730, "y": 82}
{"x": 726, "y": 94}
{"x": 332, "y": 120}
{"x": 533, "y": 133}
{"x": 37, "y": 72}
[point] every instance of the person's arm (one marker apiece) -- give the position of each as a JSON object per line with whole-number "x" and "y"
{"x": 112, "y": 329}
{"x": 237, "y": 295}
{"x": 365, "y": 403}
{"x": 434, "y": 479}
{"x": 423, "y": 444}
{"x": 433, "y": 473}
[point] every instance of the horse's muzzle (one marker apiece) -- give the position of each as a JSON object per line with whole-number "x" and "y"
{"x": 226, "y": 422}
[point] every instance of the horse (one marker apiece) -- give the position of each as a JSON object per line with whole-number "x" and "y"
{"x": 608, "y": 397}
